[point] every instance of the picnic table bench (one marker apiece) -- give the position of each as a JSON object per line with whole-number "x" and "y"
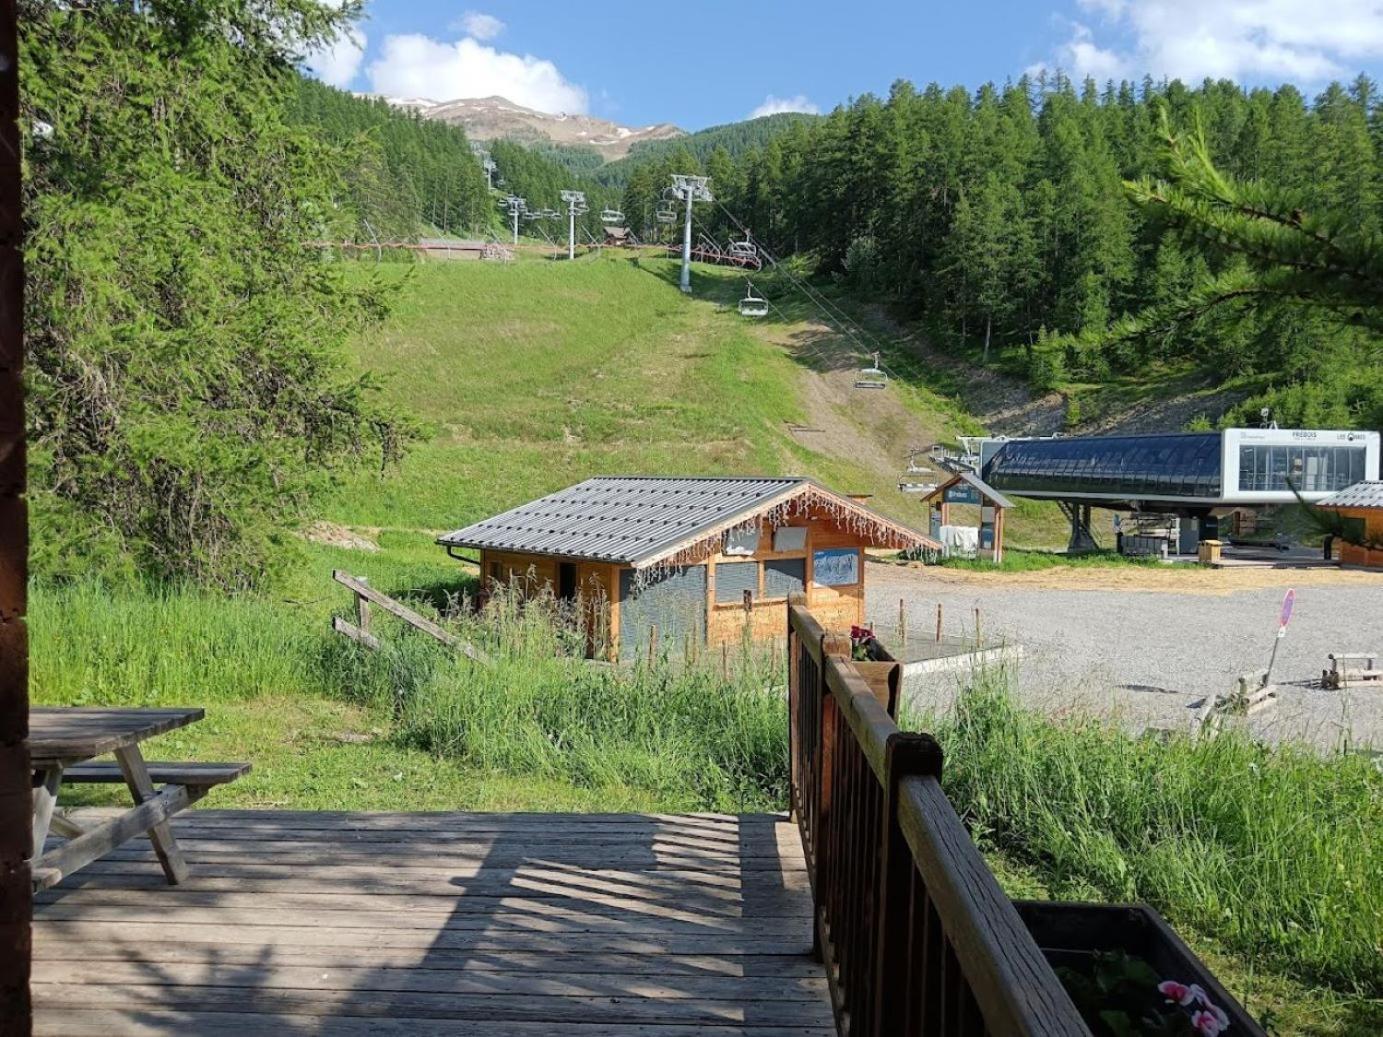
{"x": 63, "y": 742}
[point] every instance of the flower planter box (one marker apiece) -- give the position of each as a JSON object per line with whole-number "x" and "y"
{"x": 1070, "y": 936}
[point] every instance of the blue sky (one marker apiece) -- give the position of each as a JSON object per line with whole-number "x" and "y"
{"x": 719, "y": 61}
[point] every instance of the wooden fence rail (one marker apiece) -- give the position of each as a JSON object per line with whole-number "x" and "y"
{"x": 916, "y": 935}
{"x": 359, "y": 631}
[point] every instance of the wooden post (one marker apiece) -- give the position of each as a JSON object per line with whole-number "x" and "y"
{"x": 652, "y": 643}
{"x": 906, "y": 755}
{"x": 902, "y": 624}
{"x": 724, "y": 661}
{"x": 362, "y": 610}
{"x": 838, "y": 646}
{"x": 977, "y": 626}
{"x": 938, "y": 622}
{"x": 16, "y": 778}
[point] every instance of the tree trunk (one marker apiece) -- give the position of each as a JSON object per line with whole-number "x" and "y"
{"x": 988, "y": 329}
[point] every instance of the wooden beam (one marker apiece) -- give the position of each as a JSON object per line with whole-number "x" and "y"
{"x": 141, "y": 786}
{"x": 100, "y": 840}
{"x": 16, "y": 779}
{"x": 342, "y": 626}
{"x": 413, "y": 619}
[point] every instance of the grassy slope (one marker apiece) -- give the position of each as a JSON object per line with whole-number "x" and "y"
{"x": 538, "y": 374}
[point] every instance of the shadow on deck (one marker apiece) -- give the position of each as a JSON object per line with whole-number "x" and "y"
{"x": 422, "y": 924}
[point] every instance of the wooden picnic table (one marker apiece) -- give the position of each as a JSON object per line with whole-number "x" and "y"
{"x": 63, "y": 740}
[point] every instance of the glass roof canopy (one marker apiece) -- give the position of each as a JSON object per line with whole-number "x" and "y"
{"x": 1185, "y": 467}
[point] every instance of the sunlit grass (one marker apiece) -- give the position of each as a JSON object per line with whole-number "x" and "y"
{"x": 1274, "y": 850}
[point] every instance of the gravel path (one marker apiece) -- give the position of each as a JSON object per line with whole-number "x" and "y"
{"x": 1149, "y": 658}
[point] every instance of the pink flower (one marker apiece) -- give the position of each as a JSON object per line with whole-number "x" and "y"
{"x": 1178, "y": 992}
{"x": 1207, "y": 1023}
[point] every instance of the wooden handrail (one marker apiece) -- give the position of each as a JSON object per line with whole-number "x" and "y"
{"x": 915, "y": 932}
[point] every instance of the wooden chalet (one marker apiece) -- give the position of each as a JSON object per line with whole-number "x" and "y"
{"x": 1361, "y": 508}
{"x": 688, "y": 561}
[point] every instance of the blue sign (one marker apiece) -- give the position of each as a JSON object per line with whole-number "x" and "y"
{"x": 962, "y": 493}
{"x": 838, "y": 567}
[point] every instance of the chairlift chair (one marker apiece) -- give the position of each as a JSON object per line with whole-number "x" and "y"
{"x": 753, "y": 305}
{"x": 871, "y": 377}
{"x": 665, "y": 215}
{"x": 611, "y": 217}
{"x": 915, "y": 486}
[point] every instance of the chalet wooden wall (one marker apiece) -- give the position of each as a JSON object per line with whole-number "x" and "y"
{"x": 1355, "y": 554}
{"x": 16, "y": 806}
{"x": 838, "y": 608}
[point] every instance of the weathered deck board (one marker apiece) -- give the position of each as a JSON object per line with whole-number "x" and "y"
{"x": 431, "y": 924}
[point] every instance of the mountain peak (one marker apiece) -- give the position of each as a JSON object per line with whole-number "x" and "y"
{"x": 495, "y": 118}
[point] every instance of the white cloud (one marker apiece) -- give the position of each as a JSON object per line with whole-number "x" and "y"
{"x": 418, "y": 66}
{"x": 775, "y": 105}
{"x": 479, "y": 25}
{"x": 1239, "y": 39}
{"x": 338, "y": 63}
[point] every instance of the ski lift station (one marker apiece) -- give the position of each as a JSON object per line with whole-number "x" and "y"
{"x": 682, "y": 563}
{"x": 1196, "y": 476}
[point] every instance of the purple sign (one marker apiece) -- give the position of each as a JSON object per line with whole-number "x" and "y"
{"x": 1287, "y": 603}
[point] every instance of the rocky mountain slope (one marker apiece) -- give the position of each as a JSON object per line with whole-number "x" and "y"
{"x": 493, "y": 118}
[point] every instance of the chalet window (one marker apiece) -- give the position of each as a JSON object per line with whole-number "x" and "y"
{"x": 733, "y": 579}
{"x": 784, "y": 576}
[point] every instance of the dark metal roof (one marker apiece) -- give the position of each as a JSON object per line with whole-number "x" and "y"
{"x": 639, "y": 520}
{"x": 1360, "y": 495}
{"x": 989, "y": 492}
{"x": 1177, "y": 466}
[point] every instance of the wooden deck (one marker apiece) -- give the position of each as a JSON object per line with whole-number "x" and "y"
{"x": 489, "y": 925}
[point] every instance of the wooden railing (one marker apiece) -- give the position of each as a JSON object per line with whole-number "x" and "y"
{"x": 915, "y": 933}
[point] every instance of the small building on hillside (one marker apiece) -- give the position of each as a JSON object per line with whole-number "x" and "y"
{"x": 984, "y": 540}
{"x": 616, "y": 237}
{"x": 687, "y": 562}
{"x": 1361, "y": 508}
{"x": 450, "y": 248}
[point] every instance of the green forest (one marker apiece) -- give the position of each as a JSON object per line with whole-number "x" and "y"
{"x": 190, "y": 390}
{"x": 1009, "y": 221}
{"x": 404, "y": 173}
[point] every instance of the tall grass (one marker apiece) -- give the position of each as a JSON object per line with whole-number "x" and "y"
{"x": 1276, "y": 852}
{"x": 678, "y": 727}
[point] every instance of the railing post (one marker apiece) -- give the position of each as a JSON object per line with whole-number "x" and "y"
{"x": 837, "y": 646}
{"x": 906, "y": 755}
{"x": 794, "y": 703}
{"x": 885, "y": 681}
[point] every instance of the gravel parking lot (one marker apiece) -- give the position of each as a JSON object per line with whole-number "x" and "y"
{"x": 1132, "y": 646}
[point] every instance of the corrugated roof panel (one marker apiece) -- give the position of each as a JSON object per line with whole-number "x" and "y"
{"x": 623, "y": 519}
{"x": 1360, "y": 495}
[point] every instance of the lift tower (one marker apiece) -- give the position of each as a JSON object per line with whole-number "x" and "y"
{"x": 576, "y": 205}
{"x": 515, "y": 207}
{"x": 690, "y": 189}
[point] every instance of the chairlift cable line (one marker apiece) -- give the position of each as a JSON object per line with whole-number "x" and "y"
{"x": 822, "y": 303}
{"x": 841, "y": 322}
{"x": 841, "y": 327}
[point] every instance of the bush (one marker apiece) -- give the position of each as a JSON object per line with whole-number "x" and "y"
{"x": 1046, "y": 370}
